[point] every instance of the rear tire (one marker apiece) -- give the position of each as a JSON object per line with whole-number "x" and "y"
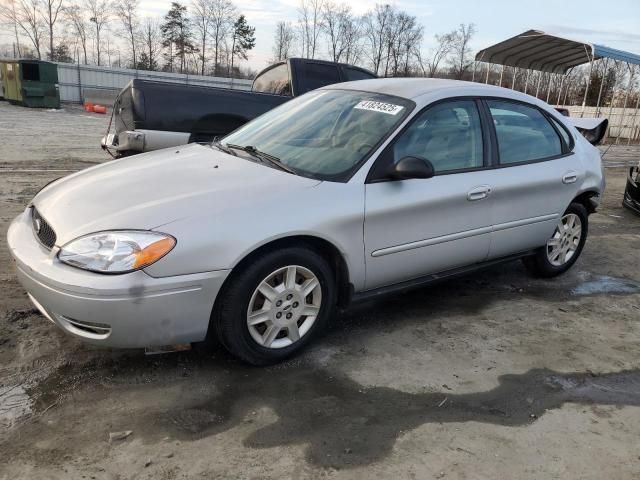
{"x": 274, "y": 306}
{"x": 565, "y": 245}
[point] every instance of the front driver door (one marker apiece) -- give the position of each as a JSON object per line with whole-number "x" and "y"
{"x": 424, "y": 226}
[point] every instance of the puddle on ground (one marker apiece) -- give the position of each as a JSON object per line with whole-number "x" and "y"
{"x": 605, "y": 284}
{"x": 342, "y": 423}
{"x": 15, "y": 404}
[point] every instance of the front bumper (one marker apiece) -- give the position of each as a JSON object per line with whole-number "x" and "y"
{"x": 129, "y": 310}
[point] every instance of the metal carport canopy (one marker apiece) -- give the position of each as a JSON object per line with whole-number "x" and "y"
{"x": 537, "y": 50}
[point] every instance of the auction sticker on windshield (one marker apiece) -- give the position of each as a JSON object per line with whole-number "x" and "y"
{"x": 389, "y": 108}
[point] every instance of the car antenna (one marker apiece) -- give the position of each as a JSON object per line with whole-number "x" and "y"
{"x": 605, "y": 152}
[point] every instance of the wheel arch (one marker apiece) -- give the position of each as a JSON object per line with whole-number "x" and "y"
{"x": 585, "y": 199}
{"x": 328, "y": 250}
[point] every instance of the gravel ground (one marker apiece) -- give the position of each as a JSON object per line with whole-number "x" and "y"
{"x": 495, "y": 375}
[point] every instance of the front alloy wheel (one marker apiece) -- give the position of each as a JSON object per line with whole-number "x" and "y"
{"x": 284, "y": 307}
{"x": 275, "y": 304}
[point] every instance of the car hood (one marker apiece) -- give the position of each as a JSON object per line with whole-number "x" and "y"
{"x": 149, "y": 190}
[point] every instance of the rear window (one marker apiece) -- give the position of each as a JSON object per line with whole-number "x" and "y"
{"x": 274, "y": 80}
{"x": 352, "y": 74}
{"x": 524, "y": 133}
{"x": 318, "y": 75}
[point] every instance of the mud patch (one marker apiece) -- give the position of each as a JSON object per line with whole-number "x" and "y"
{"x": 15, "y": 404}
{"x": 344, "y": 424}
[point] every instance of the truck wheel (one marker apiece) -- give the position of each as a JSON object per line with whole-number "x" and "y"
{"x": 565, "y": 245}
{"x": 275, "y": 306}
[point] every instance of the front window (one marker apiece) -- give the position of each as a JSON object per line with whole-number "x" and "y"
{"x": 324, "y": 134}
{"x": 448, "y": 134}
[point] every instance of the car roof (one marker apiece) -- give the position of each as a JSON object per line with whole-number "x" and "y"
{"x": 412, "y": 88}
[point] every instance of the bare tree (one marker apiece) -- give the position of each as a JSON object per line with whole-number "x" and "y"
{"x": 201, "y": 15}
{"x": 152, "y": 41}
{"x": 283, "y": 41}
{"x": 343, "y": 31}
{"x": 310, "y": 24}
{"x": 444, "y": 45}
{"x": 50, "y": 11}
{"x": 99, "y": 14}
{"x": 461, "y": 58}
{"x": 26, "y": 16}
{"x": 8, "y": 15}
{"x": 403, "y": 35}
{"x": 223, "y": 14}
{"x": 127, "y": 13}
{"x": 376, "y": 29}
{"x": 77, "y": 19}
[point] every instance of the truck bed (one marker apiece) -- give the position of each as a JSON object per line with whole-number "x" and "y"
{"x": 203, "y": 112}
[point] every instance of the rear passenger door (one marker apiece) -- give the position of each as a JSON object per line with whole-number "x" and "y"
{"x": 537, "y": 176}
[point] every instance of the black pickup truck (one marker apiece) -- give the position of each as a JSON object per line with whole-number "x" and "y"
{"x": 150, "y": 115}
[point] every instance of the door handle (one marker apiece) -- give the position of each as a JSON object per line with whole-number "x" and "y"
{"x": 569, "y": 177}
{"x": 479, "y": 193}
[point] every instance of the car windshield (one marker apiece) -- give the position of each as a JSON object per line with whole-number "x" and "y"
{"x": 324, "y": 134}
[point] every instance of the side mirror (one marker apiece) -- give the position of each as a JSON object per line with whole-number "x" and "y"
{"x": 411, "y": 167}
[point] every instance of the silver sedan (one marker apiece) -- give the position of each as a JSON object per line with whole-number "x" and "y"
{"x": 342, "y": 194}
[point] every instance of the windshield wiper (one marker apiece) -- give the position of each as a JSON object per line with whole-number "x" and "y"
{"x": 275, "y": 161}
{"x": 216, "y": 143}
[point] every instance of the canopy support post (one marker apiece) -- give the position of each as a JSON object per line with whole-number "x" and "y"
{"x": 560, "y": 91}
{"x": 486, "y": 78}
{"x": 539, "y": 82}
{"x": 549, "y": 86}
{"x": 633, "y": 123}
{"x": 602, "y": 79}
{"x": 586, "y": 90}
{"x": 513, "y": 81}
{"x": 501, "y": 75}
{"x": 526, "y": 82}
{"x": 626, "y": 98}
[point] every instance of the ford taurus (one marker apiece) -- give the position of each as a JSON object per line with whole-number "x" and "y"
{"x": 341, "y": 194}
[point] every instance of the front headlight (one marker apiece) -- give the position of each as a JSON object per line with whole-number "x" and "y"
{"x": 117, "y": 251}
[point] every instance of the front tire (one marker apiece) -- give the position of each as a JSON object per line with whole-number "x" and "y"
{"x": 275, "y": 306}
{"x": 565, "y": 245}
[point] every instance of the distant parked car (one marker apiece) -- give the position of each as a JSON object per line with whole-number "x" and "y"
{"x": 631, "y": 197}
{"x": 342, "y": 194}
{"x": 150, "y": 115}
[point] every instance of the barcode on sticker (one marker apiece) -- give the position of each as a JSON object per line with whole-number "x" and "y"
{"x": 389, "y": 108}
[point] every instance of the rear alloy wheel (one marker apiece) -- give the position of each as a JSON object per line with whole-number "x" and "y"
{"x": 565, "y": 245}
{"x": 274, "y": 305}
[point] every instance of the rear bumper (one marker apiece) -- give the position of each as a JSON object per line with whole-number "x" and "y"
{"x": 130, "y": 310}
{"x": 143, "y": 140}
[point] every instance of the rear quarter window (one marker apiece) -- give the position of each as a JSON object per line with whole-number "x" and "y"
{"x": 524, "y": 134}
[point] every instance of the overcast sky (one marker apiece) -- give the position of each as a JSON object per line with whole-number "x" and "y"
{"x": 615, "y": 23}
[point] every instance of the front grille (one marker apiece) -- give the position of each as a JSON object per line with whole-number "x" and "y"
{"x": 42, "y": 229}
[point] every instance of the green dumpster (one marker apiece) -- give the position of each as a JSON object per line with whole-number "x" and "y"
{"x": 39, "y": 84}
{"x": 11, "y": 87}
